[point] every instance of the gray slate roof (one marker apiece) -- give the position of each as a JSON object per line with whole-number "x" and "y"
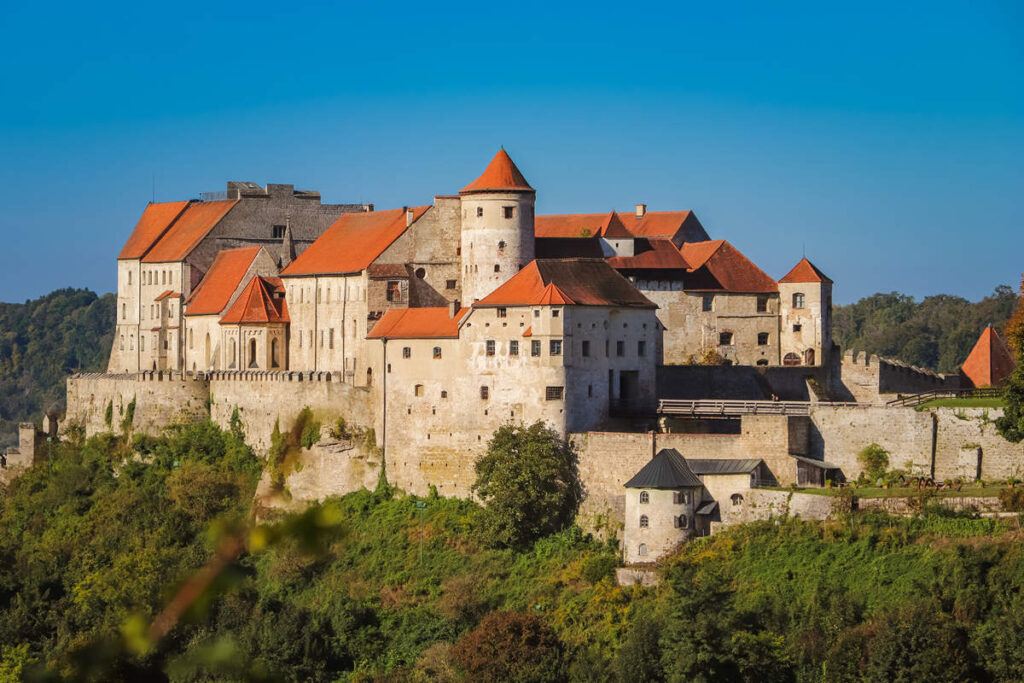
{"x": 816, "y": 463}
{"x": 708, "y": 508}
{"x": 745, "y": 466}
{"x": 666, "y": 470}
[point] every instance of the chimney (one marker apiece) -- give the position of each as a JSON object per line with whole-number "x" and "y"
{"x": 641, "y": 210}
{"x": 453, "y": 308}
{"x": 409, "y": 217}
{"x": 367, "y": 208}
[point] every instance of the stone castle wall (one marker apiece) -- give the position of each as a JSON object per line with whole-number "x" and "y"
{"x": 871, "y": 379}
{"x": 160, "y": 399}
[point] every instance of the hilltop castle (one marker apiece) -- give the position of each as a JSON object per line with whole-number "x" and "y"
{"x": 427, "y": 327}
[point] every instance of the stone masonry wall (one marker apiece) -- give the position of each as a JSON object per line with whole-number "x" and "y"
{"x": 160, "y": 400}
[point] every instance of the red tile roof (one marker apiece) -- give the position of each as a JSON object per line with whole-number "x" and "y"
{"x": 258, "y": 304}
{"x": 188, "y": 231}
{"x": 613, "y": 228}
{"x": 352, "y": 243}
{"x": 528, "y": 332}
{"x": 580, "y": 282}
{"x": 716, "y": 265}
{"x": 656, "y": 254}
{"x": 155, "y": 220}
{"x": 989, "y": 362}
{"x": 221, "y": 281}
{"x": 418, "y": 323}
{"x": 168, "y": 293}
{"x": 653, "y": 224}
{"x": 500, "y": 175}
{"x": 805, "y": 271}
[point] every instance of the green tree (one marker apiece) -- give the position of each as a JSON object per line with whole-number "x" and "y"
{"x": 510, "y": 647}
{"x": 529, "y": 484}
{"x": 874, "y": 459}
{"x": 1011, "y": 424}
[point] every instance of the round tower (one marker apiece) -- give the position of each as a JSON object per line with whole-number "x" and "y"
{"x": 497, "y": 227}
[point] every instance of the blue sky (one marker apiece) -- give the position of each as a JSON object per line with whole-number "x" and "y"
{"x": 885, "y": 139}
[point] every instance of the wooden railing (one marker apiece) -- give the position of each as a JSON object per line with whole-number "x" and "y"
{"x": 719, "y": 408}
{"x": 924, "y": 397}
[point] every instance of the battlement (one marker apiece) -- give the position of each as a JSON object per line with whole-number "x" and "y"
{"x": 868, "y": 377}
{"x": 853, "y": 358}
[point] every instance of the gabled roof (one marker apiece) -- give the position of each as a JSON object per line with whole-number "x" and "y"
{"x": 613, "y": 228}
{"x": 262, "y": 301}
{"x": 654, "y": 254}
{"x": 716, "y": 265}
{"x": 579, "y": 282}
{"x": 418, "y": 323}
{"x": 188, "y": 231}
{"x": 989, "y": 362}
{"x": 352, "y": 242}
{"x": 221, "y": 281}
{"x": 805, "y": 271}
{"x": 501, "y": 175}
{"x": 667, "y": 470}
{"x": 168, "y": 293}
{"x": 744, "y": 466}
{"x": 155, "y": 220}
{"x": 652, "y": 224}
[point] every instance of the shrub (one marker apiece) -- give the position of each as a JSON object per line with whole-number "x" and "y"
{"x": 874, "y": 459}
{"x": 507, "y": 646}
{"x": 1012, "y": 499}
{"x": 339, "y": 430}
{"x": 598, "y": 567}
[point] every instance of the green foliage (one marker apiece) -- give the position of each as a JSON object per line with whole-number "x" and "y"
{"x": 599, "y": 567}
{"x": 529, "y": 484}
{"x": 310, "y": 434}
{"x": 1012, "y": 499}
{"x": 339, "y": 430}
{"x": 108, "y": 415}
{"x": 44, "y": 340}
{"x": 1011, "y": 424}
{"x": 235, "y": 425}
{"x": 507, "y": 646}
{"x": 936, "y": 333}
{"x": 874, "y": 459}
{"x": 129, "y": 417}
{"x": 13, "y": 661}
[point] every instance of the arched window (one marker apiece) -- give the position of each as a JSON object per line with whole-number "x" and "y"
{"x": 791, "y": 359}
{"x": 252, "y": 353}
{"x": 206, "y": 354}
{"x": 124, "y": 311}
{"x": 122, "y": 342}
{"x": 643, "y": 549}
{"x": 131, "y": 343}
{"x": 129, "y": 277}
{"x": 736, "y": 498}
{"x": 274, "y": 360}
{"x": 369, "y": 377}
{"x": 645, "y": 497}
{"x": 142, "y": 343}
{"x": 798, "y": 299}
{"x": 643, "y": 521}
{"x": 232, "y": 356}
{"x": 191, "y": 340}
{"x": 682, "y": 522}
{"x": 421, "y": 273}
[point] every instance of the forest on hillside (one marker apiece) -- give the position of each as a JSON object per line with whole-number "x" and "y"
{"x": 42, "y": 341}
{"x": 935, "y": 333}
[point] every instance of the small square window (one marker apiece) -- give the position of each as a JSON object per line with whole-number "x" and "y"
{"x": 437, "y": 352}
{"x": 585, "y": 348}
{"x": 555, "y": 312}
{"x": 513, "y": 347}
{"x": 762, "y": 338}
{"x": 278, "y": 232}
{"x": 497, "y": 268}
{"x": 798, "y": 327}
{"x": 418, "y": 390}
{"x": 725, "y": 338}
{"x": 406, "y": 352}
{"x": 553, "y": 393}
{"x": 536, "y": 314}
{"x": 620, "y": 348}
{"x": 535, "y": 347}
{"x": 555, "y": 347}
{"x": 444, "y": 394}
{"x": 502, "y": 312}
{"x": 479, "y": 211}
{"x": 762, "y": 304}
{"x": 490, "y": 347}
{"x": 484, "y": 392}
{"x": 510, "y": 211}
{"x": 450, "y": 284}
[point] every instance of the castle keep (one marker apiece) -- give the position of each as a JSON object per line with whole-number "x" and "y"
{"x": 429, "y": 326}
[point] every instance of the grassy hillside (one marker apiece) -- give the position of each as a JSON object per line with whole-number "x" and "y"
{"x": 41, "y": 342}
{"x": 386, "y": 587}
{"x": 936, "y": 333}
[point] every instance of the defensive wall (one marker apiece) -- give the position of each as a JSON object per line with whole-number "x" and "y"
{"x": 871, "y": 379}
{"x": 161, "y": 398}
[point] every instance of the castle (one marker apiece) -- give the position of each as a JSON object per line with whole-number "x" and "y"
{"x": 427, "y": 327}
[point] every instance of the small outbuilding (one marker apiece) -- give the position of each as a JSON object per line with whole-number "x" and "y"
{"x": 660, "y": 506}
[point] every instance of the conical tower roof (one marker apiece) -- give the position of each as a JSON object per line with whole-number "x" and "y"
{"x": 989, "y": 362}
{"x": 501, "y": 175}
{"x": 666, "y": 470}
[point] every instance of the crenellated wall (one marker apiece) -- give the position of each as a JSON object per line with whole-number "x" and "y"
{"x": 161, "y": 398}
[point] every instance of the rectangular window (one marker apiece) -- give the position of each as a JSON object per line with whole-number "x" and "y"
{"x": 762, "y": 339}
{"x": 797, "y": 327}
{"x": 510, "y": 211}
{"x": 484, "y": 392}
{"x": 437, "y": 352}
{"x": 490, "y": 347}
{"x": 479, "y": 211}
{"x": 620, "y": 348}
{"x": 725, "y": 338}
{"x": 555, "y": 312}
{"x": 536, "y": 314}
{"x": 708, "y": 304}
{"x": 513, "y": 347}
{"x": 555, "y": 347}
{"x": 641, "y": 348}
{"x": 590, "y": 391}
{"x": 535, "y": 347}
{"x": 330, "y": 338}
{"x": 502, "y": 312}
{"x": 394, "y": 291}
{"x": 585, "y": 348}
{"x": 449, "y": 284}
{"x": 418, "y": 390}
{"x": 406, "y": 352}
{"x": 553, "y": 393}
{"x": 762, "y": 304}
{"x": 278, "y": 232}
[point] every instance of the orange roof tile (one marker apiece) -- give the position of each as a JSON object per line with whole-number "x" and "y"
{"x": 418, "y": 323}
{"x": 580, "y": 282}
{"x": 528, "y": 332}
{"x": 500, "y": 175}
{"x": 168, "y": 293}
{"x": 716, "y": 265}
{"x": 989, "y": 362}
{"x": 805, "y": 271}
{"x": 155, "y": 220}
{"x": 221, "y": 281}
{"x": 653, "y": 224}
{"x": 258, "y": 304}
{"x": 656, "y": 254}
{"x": 352, "y": 242}
{"x": 188, "y": 231}
{"x": 613, "y": 228}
